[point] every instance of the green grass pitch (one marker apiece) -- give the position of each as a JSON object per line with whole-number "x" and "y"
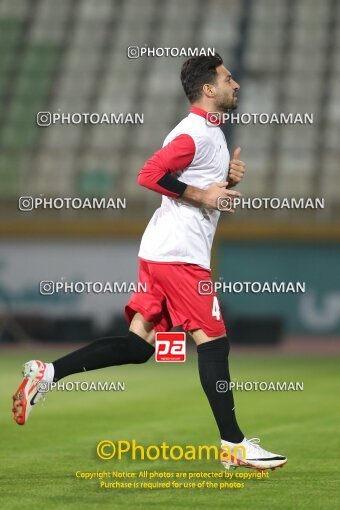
{"x": 164, "y": 402}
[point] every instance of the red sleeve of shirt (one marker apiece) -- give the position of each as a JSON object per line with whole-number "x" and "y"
{"x": 176, "y": 155}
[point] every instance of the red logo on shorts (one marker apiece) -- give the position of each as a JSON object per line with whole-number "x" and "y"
{"x": 170, "y": 346}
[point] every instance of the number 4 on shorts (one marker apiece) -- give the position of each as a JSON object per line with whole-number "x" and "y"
{"x": 216, "y": 311}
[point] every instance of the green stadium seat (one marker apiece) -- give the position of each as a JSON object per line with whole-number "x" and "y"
{"x": 10, "y": 176}
{"x": 19, "y": 136}
{"x": 10, "y": 33}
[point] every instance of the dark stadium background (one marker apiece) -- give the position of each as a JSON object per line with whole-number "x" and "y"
{"x": 71, "y": 56}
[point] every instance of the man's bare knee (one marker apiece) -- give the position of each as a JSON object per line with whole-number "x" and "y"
{"x": 143, "y": 328}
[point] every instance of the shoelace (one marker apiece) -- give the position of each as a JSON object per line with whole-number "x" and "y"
{"x": 254, "y": 441}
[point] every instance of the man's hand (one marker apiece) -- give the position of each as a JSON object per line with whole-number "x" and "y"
{"x": 236, "y": 169}
{"x": 217, "y": 194}
{"x": 211, "y": 197}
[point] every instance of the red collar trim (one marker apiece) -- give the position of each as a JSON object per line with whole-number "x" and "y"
{"x": 211, "y": 117}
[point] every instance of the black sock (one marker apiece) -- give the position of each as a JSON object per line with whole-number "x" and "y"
{"x": 213, "y": 367}
{"x": 105, "y": 352}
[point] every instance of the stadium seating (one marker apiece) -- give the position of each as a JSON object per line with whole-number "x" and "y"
{"x": 72, "y": 57}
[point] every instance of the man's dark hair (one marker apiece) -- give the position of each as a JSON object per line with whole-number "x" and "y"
{"x": 196, "y": 71}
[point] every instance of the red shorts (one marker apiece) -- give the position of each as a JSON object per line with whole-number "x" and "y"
{"x": 175, "y": 297}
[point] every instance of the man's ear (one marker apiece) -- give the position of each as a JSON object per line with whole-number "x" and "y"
{"x": 209, "y": 90}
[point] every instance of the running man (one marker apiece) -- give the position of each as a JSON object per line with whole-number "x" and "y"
{"x": 193, "y": 172}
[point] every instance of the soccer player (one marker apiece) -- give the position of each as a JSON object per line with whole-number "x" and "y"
{"x": 193, "y": 172}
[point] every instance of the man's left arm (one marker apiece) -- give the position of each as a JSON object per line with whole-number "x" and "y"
{"x": 237, "y": 169}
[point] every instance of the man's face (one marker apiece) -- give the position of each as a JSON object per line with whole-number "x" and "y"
{"x": 226, "y": 90}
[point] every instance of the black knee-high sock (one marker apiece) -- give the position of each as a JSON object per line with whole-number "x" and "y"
{"x": 105, "y": 352}
{"x": 213, "y": 367}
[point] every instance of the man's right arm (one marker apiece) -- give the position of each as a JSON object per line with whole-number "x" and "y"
{"x": 157, "y": 172}
{"x": 177, "y": 155}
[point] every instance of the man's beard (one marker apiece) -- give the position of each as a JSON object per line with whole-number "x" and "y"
{"x": 226, "y": 107}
